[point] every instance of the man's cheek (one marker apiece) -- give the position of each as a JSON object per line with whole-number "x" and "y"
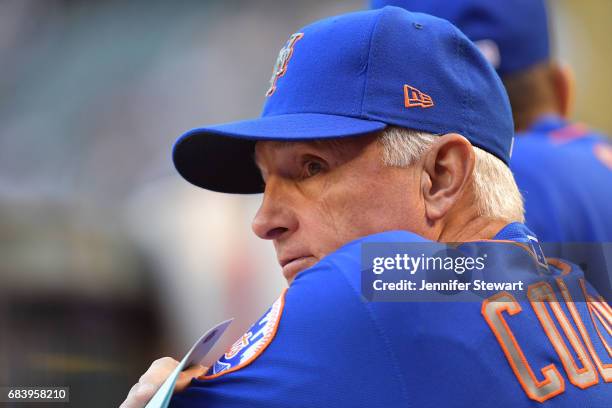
{"x": 323, "y": 231}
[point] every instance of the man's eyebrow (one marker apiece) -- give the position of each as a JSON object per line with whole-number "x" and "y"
{"x": 334, "y": 144}
{"x": 280, "y": 144}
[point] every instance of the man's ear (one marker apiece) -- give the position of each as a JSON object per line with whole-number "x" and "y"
{"x": 447, "y": 169}
{"x": 564, "y": 86}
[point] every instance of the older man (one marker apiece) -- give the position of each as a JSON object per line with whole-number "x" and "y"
{"x": 386, "y": 127}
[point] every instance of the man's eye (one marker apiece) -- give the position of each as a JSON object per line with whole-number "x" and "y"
{"x": 313, "y": 167}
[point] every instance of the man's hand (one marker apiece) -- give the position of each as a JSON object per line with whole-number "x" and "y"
{"x": 155, "y": 376}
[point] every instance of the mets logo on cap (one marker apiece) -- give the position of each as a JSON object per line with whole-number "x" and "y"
{"x": 280, "y": 67}
{"x": 248, "y": 347}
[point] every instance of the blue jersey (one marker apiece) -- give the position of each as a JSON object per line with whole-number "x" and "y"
{"x": 565, "y": 174}
{"x": 322, "y": 345}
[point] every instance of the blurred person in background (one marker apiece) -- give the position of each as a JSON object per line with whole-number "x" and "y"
{"x": 563, "y": 169}
{"x": 98, "y": 271}
{"x": 398, "y": 173}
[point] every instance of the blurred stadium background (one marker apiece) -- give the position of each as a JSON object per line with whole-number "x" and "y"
{"x": 108, "y": 259}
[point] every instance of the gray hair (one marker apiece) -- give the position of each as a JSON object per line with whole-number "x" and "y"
{"x": 496, "y": 192}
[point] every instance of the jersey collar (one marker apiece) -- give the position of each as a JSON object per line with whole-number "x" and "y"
{"x": 518, "y": 232}
{"x": 547, "y": 123}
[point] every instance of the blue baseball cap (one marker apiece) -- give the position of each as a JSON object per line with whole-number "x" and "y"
{"x": 352, "y": 75}
{"x": 512, "y": 34}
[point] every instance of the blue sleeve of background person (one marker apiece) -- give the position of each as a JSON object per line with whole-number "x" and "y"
{"x": 328, "y": 350}
{"x": 544, "y": 202}
{"x": 566, "y": 188}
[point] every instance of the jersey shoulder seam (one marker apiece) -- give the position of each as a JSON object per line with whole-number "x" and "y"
{"x": 381, "y": 332}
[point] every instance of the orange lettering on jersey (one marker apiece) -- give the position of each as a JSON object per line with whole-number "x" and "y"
{"x": 599, "y": 311}
{"x": 413, "y": 98}
{"x": 604, "y": 369}
{"x": 540, "y": 295}
{"x": 553, "y": 384}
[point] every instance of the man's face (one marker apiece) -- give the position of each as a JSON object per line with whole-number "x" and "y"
{"x": 321, "y": 195}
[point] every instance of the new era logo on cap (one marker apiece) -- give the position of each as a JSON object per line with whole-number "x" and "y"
{"x": 413, "y": 98}
{"x": 344, "y": 76}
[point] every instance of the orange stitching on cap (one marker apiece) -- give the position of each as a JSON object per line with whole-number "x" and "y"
{"x": 413, "y": 98}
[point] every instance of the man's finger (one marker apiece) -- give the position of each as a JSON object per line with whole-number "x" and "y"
{"x": 186, "y": 376}
{"x": 149, "y": 383}
{"x": 159, "y": 370}
{"x": 139, "y": 395}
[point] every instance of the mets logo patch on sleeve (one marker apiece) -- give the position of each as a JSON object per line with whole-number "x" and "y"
{"x": 248, "y": 347}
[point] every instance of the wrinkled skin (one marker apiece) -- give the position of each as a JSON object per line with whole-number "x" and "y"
{"x": 322, "y": 195}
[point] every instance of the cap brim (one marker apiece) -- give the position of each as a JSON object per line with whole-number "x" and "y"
{"x": 220, "y": 158}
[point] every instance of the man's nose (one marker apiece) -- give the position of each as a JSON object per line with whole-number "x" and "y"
{"x": 275, "y": 216}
